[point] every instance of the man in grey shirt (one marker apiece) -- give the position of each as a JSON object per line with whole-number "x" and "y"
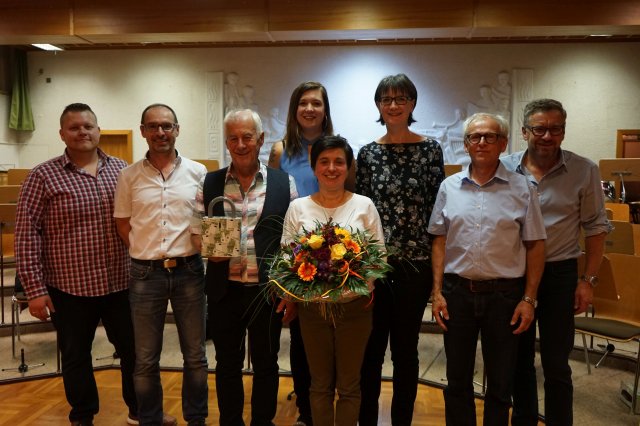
{"x": 571, "y": 199}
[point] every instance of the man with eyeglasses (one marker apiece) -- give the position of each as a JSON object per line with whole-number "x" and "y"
{"x": 571, "y": 200}
{"x": 487, "y": 260}
{"x": 153, "y": 209}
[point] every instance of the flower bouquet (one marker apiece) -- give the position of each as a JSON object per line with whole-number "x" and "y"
{"x": 327, "y": 264}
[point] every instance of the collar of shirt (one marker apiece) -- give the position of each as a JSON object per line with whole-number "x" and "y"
{"x": 522, "y": 169}
{"x": 501, "y": 174}
{"x": 66, "y": 163}
{"x": 148, "y": 163}
{"x": 260, "y": 174}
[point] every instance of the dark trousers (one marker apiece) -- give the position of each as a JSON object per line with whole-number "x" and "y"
{"x": 399, "y": 304}
{"x": 245, "y": 309}
{"x": 300, "y": 372}
{"x": 488, "y": 314}
{"x": 76, "y": 319}
{"x": 555, "y": 320}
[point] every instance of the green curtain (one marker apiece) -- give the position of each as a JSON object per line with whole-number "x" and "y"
{"x": 21, "y": 117}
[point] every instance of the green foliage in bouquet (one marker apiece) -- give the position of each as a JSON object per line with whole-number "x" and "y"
{"x": 326, "y": 264}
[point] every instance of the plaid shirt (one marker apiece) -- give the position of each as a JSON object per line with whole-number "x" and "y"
{"x": 65, "y": 232}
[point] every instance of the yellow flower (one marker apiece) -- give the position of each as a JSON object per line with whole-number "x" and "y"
{"x": 307, "y": 271}
{"x": 338, "y": 251}
{"x": 342, "y": 233}
{"x": 315, "y": 241}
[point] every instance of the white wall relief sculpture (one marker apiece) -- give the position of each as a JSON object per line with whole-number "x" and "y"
{"x": 522, "y": 94}
{"x": 215, "y": 109}
{"x": 511, "y": 92}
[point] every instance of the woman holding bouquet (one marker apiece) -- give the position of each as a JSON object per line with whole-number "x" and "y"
{"x": 335, "y": 323}
{"x": 308, "y": 119}
{"x": 401, "y": 172}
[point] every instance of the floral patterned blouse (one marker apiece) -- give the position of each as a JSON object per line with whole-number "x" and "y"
{"x": 402, "y": 179}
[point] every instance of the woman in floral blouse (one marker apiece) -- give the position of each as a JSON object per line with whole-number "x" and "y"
{"x": 401, "y": 172}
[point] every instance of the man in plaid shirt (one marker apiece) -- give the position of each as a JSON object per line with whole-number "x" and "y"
{"x": 72, "y": 263}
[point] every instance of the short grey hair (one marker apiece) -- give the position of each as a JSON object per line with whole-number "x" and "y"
{"x": 503, "y": 124}
{"x": 233, "y": 115}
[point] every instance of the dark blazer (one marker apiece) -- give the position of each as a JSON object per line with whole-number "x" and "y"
{"x": 267, "y": 233}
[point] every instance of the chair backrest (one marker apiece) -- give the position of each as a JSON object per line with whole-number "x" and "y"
{"x": 450, "y": 169}
{"x": 211, "y": 165}
{"x": 17, "y": 176}
{"x": 619, "y": 211}
{"x": 623, "y": 269}
{"x": 620, "y": 240}
{"x": 7, "y": 226}
{"x": 8, "y": 213}
{"x": 9, "y": 193}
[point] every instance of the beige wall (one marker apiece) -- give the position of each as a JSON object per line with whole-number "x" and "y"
{"x": 598, "y": 83}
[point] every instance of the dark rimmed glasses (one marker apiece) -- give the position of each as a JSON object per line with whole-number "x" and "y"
{"x": 399, "y": 100}
{"x": 476, "y": 138}
{"x": 541, "y": 130}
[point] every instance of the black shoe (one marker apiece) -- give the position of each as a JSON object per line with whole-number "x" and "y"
{"x": 88, "y": 422}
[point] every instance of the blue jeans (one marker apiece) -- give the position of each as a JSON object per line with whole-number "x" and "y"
{"x": 76, "y": 319}
{"x": 149, "y": 292}
{"x": 556, "y": 327}
{"x": 488, "y": 314}
{"x": 398, "y": 307}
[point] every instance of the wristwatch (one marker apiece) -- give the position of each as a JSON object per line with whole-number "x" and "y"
{"x": 530, "y": 300}
{"x": 591, "y": 279}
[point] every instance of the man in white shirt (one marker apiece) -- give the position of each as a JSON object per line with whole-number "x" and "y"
{"x": 153, "y": 207}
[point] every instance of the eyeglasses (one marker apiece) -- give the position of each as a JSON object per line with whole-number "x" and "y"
{"x": 541, "y": 131}
{"x": 475, "y": 138}
{"x": 399, "y": 100}
{"x": 166, "y": 127}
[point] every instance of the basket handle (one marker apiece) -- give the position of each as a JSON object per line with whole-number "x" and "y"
{"x": 219, "y": 200}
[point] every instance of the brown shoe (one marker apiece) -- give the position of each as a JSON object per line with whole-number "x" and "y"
{"x": 168, "y": 420}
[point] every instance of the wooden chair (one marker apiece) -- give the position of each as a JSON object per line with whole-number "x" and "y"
{"x": 211, "y": 165}
{"x": 9, "y": 194}
{"x": 17, "y": 176}
{"x": 7, "y": 255}
{"x": 619, "y": 211}
{"x": 620, "y": 240}
{"x": 616, "y": 316}
{"x": 450, "y": 169}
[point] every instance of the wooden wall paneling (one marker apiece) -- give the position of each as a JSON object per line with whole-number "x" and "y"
{"x": 491, "y": 13}
{"x": 37, "y": 21}
{"x": 156, "y": 17}
{"x": 287, "y": 15}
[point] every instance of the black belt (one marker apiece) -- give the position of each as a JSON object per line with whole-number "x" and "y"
{"x": 169, "y": 263}
{"x": 485, "y": 286}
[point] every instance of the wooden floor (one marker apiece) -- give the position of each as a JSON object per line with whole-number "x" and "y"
{"x": 42, "y": 402}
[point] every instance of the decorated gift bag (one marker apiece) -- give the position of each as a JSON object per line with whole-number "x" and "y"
{"x": 221, "y": 234}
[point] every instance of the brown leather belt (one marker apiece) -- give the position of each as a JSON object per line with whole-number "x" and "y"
{"x": 485, "y": 286}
